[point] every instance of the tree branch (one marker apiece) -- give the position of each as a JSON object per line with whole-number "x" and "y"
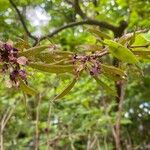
{"x": 87, "y": 22}
{"x": 116, "y": 30}
{"x": 119, "y": 115}
{"x": 79, "y": 10}
{"x": 22, "y": 20}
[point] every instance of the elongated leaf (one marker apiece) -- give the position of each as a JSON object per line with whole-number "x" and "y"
{"x": 89, "y": 47}
{"x": 113, "y": 76}
{"x": 132, "y": 40}
{"x": 127, "y": 38}
{"x": 105, "y": 86}
{"x": 1, "y": 65}
{"x": 67, "y": 89}
{"x": 121, "y": 52}
{"x": 142, "y": 52}
{"x": 50, "y": 68}
{"x": 25, "y": 88}
{"x": 112, "y": 69}
{"x": 22, "y": 44}
{"x": 63, "y": 62}
{"x": 99, "y": 33}
{"x": 34, "y": 50}
{"x": 145, "y": 58}
{"x": 140, "y": 40}
{"x": 50, "y": 57}
{"x": 62, "y": 53}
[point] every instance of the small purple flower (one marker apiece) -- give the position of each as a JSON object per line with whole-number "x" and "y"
{"x": 8, "y": 47}
{"x": 9, "y": 57}
{"x": 12, "y": 58}
{"x": 22, "y": 74}
{"x": 13, "y": 75}
{"x": 15, "y": 49}
{"x": 94, "y": 71}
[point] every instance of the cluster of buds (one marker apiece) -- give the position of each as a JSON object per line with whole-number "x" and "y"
{"x": 87, "y": 62}
{"x": 11, "y": 63}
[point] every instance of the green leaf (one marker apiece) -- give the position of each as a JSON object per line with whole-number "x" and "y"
{"x": 53, "y": 56}
{"x": 105, "y": 86}
{"x": 125, "y": 121}
{"x": 141, "y": 40}
{"x": 25, "y": 88}
{"x": 67, "y": 89}
{"x": 132, "y": 40}
{"x": 99, "y": 33}
{"x": 121, "y": 52}
{"x": 112, "y": 69}
{"x": 34, "y": 50}
{"x": 125, "y": 38}
{"x": 22, "y": 44}
{"x": 142, "y": 52}
{"x": 89, "y": 47}
{"x": 50, "y": 68}
{"x": 1, "y": 65}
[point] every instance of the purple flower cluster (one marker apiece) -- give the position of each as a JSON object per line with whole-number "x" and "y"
{"x": 95, "y": 68}
{"x": 8, "y": 53}
{"x": 90, "y": 63}
{"x": 9, "y": 59}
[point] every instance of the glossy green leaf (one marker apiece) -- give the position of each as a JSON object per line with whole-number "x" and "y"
{"x": 62, "y": 53}
{"x": 105, "y": 86}
{"x": 67, "y": 89}
{"x": 141, "y": 40}
{"x": 125, "y": 121}
{"x": 125, "y": 38}
{"x": 112, "y": 69}
{"x": 121, "y": 52}
{"x": 89, "y": 47}
{"x": 25, "y": 88}
{"x": 1, "y": 65}
{"x": 50, "y": 57}
{"x": 99, "y": 33}
{"x": 34, "y": 50}
{"x": 132, "y": 40}
{"x": 142, "y": 52}
{"x": 22, "y": 44}
{"x": 113, "y": 73}
{"x": 51, "y": 68}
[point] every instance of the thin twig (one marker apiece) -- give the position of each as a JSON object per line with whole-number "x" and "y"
{"x": 88, "y": 142}
{"x": 37, "y": 123}
{"x": 4, "y": 121}
{"x": 118, "y": 118}
{"x": 78, "y": 9}
{"x": 73, "y": 24}
{"x": 25, "y": 104}
{"x": 93, "y": 143}
{"x": 22, "y": 20}
{"x": 117, "y": 30}
{"x": 48, "y": 123}
{"x": 71, "y": 140}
